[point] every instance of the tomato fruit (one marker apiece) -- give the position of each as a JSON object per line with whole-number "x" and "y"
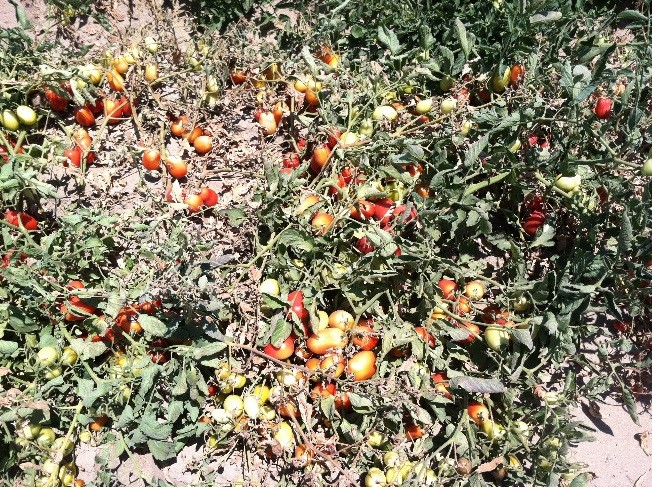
{"x": 364, "y": 337}
{"x": 178, "y": 128}
{"x": 17, "y": 218}
{"x": 425, "y": 336}
{"x": 516, "y": 75}
{"x": 10, "y": 120}
{"x": 568, "y": 183}
{"x": 322, "y": 222}
{"x": 26, "y": 115}
{"x": 84, "y": 116}
{"x": 326, "y": 339}
{"x": 73, "y": 156}
{"x": 47, "y": 356}
{"x": 383, "y": 210}
{"x": 365, "y": 246}
{"x": 474, "y": 290}
{"x": 500, "y": 81}
{"x": 478, "y": 412}
{"x": 208, "y": 196}
{"x": 115, "y": 80}
{"x": 448, "y": 288}
{"x": 448, "y": 105}
{"x": 533, "y": 222}
{"x": 56, "y": 101}
{"x": 362, "y": 365}
{"x": 320, "y": 157}
{"x": 341, "y": 319}
{"x": 384, "y": 112}
{"x": 413, "y": 431}
{"x": 603, "y": 108}
{"x": 152, "y": 160}
{"x": 283, "y": 351}
{"x": 176, "y": 166}
{"x": 151, "y": 72}
{"x": 203, "y": 144}
{"x": 496, "y": 337}
{"x": 194, "y": 203}
{"x": 441, "y": 384}
{"x": 471, "y": 328}
{"x": 268, "y": 123}
{"x": 424, "y": 106}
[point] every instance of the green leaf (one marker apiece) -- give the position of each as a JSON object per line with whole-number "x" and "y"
{"x": 281, "y": 331}
{"x": 208, "y": 350}
{"x": 296, "y": 239}
{"x": 523, "y": 337}
{"x": 152, "y": 428}
{"x": 388, "y": 38}
{"x": 181, "y": 386}
{"x": 545, "y": 238}
{"x": 7, "y": 348}
{"x": 161, "y": 450}
{"x": 544, "y": 17}
{"x": 21, "y": 17}
{"x": 474, "y": 151}
{"x": 474, "y": 384}
{"x": 152, "y": 325}
{"x": 629, "y": 15}
{"x": 630, "y": 403}
{"x": 582, "y": 480}
{"x": 461, "y": 34}
{"x": 361, "y": 404}
{"x": 236, "y": 216}
{"x": 87, "y": 350}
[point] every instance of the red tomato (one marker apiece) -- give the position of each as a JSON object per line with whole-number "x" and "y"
{"x": 362, "y": 365}
{"x": 516, "y": 74}
{"x": 28, "y": 221}
{"x": 413, "y": 431}
{"x": 208, "y": 196}
{"x": 323, "y": 390}
{"x": 73, "y": 156}
{"x": 283, "y": 351}
{"x": 97, "y": 107}
{"x": 603, "y": 108}
{"x": 194, "y": 203}
{"x": 365, "y": 246}
{"x": 448, "y": 288}
{"x": 473, "y": 330}
{"x": 178, "y": 128}
{"x": 334, "y": 135}
{"x": 84, "y": 116}
{"x": 291, "y": 160}
{"x": 441, "y": 384}
{"x": 425, "y": 336}
{"x": 478, "y": 412}
{"x": 362, "y": 210}
{"x": 364, "y": 337}
{"x": 343, "y": 402}
{"x": 56, "y": 101}
{"x": 383, "y": 210}
{"x": 532, "y": 223}
{"x": 152, "y": 160}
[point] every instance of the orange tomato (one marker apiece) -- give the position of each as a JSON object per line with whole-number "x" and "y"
{"x": 478, "y": 412}
{"x": 194, "y": 203}
{"x": 341, "y": 319}
{"x": 84, "y": 116}
{"x": 152, "y": 160}
{"x": 332, "y": 364}
{"x": 113, "y": 110}
{"x": 362, "y": 365}
{"x": 322, "y": 222}
{"x": 311, "y": 98}
{"x": 268, "y": 122}
{"x": 326, "y": 339}
{"x": 203, "y": 144}
{"x": 471, "y": 328}
{"x": 115, "y": 80}
{"x": 441, "y": 384}
{"x": 176, "y": 166}
{"x": 178, "y": 126}
{"x": 99, "y": 423}
{"x": 425, "y": 336}
{"x": 413, "y": 431}
{"x": 238, "y": 76}
{"x": 474, "y": 290}
{"x": 448, "y": 288}
{"x": 516, "y": 74}
{"x": 364, "y": 337}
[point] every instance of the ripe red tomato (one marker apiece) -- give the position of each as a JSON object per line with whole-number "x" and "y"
{"x": 425, "y": 336}
{"x": 603, "y": 108}
{"x": 334, "y": 135}
{"x": 448, "y": 288}
{"x": 283, "y": 351}
{"x": 383, "y": 210}
{"x": 179, "y": 127}
{"x": 152, "y": 160}
{"x": 620, "y": 326}
{"x": 362, "y": 210}
{"x": 56, "y": 101}
{"x": 176, "y": 167}
{"x": 492, "y": 314}
{"x": 73, "y": 156}
{"x": 84, "y": 116}
{"x": 97, "y": 107}
{"x": 516, "y": 74}
{"x": 532, "y": 223}
{"x": 441, "y": 384}
{"x": 291, "y": 160}
{"x": 473, "y": 330}
{"x": 326, "y": 339}
{"x": 413, "y": 431}
{"x": 323, "y": 390}
{"x": 364, "y": 337}
{"x": 28, "y": 221}
{"x": 238, "y": 76}
{"x": 362, "y": 365}
{"x": 208, "y": 196}
{"x": 365, "y": 246}
{"x": 478, "y": 412}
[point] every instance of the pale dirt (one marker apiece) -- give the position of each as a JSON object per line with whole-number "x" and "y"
{"x": 616, "y": 458}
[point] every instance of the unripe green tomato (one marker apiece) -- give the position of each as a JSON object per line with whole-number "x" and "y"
{"x": 395, "y": 191}
{"x": 568, "y": 183}
{"x": 46, "y": 437}
{"x": 31, "y": 340}
{"x": 67, "y": 473}
{"x": 50, "y": 467}
{"x": 26, "y": 115}
{"x": 251, "y": 406}
{"x": 69, "y": 356}
{"x": 384, "y": 112}
{"x": 64, "y": 445}
{"x": 284, "y": 435}
{"x": 47, "y": 356}
{"x": 496, "y": 337}
{"x": 85, "y": 436}
{"x": 646, "y": 170}
{"x": 151, "y": 45}
{"x": 53, "y": 372}
{"x": 234, "y": 406}
{"x": 448, "y": 105}
{"x": 407, "y": 88}
{"x": 391, "y": 459}
{"x": 211, "y": 85}
{"x": 521, "y": 304}
{"x": 124, "y": 394}
{"x": 9, "y": 120}
{"x": 466, "y": 128}
{"x": 366, "y": 127}
{"x": 212, "y": 442}
{"x": 375, "y": 478}
{"x": 221, "y": 416}
{"x": 498, "y": 82}
{"x": 446, "y": 83}
{"x": 237, "y": 381}
{"x": 393, "y": 476}
{"x": 515, "y": 146}
{"x": 268, "y": 412}
{"x": 347, "y": 139}
{"x": 270, "y": 286}
{"x": 30, "y": 431}
{"x": 552, "y": 398}
{"x": 424, "y": 106}
{"x": 376, "y": 439}
{"x": 492, "y": 429}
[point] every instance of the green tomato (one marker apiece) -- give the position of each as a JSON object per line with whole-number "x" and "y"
{"x": 499, "y": 82}
{"x": 646, "y": 170}
{"x": 47, "y": 356}
{"x": 446, "y": 83}
{"x": 521, "y": 304}
{"x": 568, "y": 183}
{"x": 9, "y": 120}
{"x": 424, "y": 106}
{"x": 151, "y": 45}
{"x": 384, "y": 112}
{"x": 448, "y": 105}
{"x": 64, "y": 445}
{"x": 375, "y": 478}
{"x": 376, "y": 439}
{"x": 496, "y": 337}
{"x": 234, "y": 406}
{"x": 46, "y": 437}
{"x": 26, "y": 115}
{"x": 366, "y": 127}
{"x": 270, "y": 286}
{"x": 515, "y": 146}
{"x": 53, "y": 372}
{"x": 30, "y": 431}
{"x": 69, "y": 356}
{"x": 466, "y": 128}
{"x": 492, "y": 429}
{"x": 395, "y": 191}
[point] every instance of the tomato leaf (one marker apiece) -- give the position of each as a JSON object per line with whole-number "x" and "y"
{"x": 475, "y": 384}
{"x": 361, "y": 404}
{"x": 630, "y": 403}
{"x": 626, "y": 235}
{"x": 7, "y": 348}
{"x": 161, "y": 450}
{"x": 296, "y": 239}
{"x": 387, "y": 37}
{"x": 152, "y": 325}
{"x": 280, "y": 333}
{"x": 461, "y": 34}
{"x": 522, "y": 336}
